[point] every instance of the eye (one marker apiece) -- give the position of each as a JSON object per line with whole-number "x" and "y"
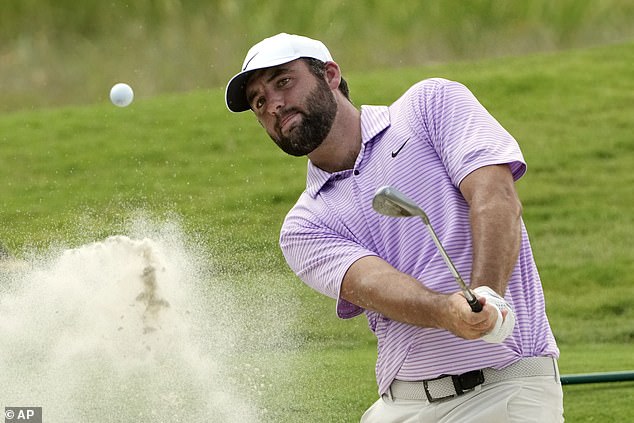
{"x": 258, "y": 103}
{"x": 283, "y": 81}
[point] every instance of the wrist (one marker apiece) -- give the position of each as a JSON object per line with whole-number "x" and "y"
{"x": 496, "y": 288}
{"x": 440, "y": 310}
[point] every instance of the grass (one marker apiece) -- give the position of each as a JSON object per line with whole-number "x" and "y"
{"x": 73, "y": 175}
{"x": 51, "y": 48}
{"x": 317, "y": 396}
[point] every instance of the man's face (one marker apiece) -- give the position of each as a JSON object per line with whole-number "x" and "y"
{"x": 295, "y": 108}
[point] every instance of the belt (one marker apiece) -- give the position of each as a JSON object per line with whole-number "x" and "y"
{"x": 450, "y": 386}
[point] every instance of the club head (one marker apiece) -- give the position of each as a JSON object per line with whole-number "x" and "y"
{"x": 391, "y": 202}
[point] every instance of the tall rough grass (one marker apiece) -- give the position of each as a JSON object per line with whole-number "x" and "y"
{"x": 56, "y": 52}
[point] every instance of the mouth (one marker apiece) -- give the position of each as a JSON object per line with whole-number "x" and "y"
{"x": 289, "y": 121}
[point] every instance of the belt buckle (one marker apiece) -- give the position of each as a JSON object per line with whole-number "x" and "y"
{"x": 462, "y": 383}
{"x": 467, "y": 381}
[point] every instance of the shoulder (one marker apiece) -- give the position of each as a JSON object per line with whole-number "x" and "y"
{"x": 432, "y": 88}
{"x": 425, "y": 100}
{"x": 430, "y": 94}
{"x": 307, "y": 218}
{"x": 433, "y": 98}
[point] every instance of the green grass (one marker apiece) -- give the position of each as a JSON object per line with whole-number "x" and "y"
{"x": 336, "y": 384}
{"x": 51, "y": 49}
{"x": 78, "y": 174}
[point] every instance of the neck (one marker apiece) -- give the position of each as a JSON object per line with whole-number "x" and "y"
{"x": 341, "y": 147}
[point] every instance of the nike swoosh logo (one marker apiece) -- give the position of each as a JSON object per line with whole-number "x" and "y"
{"x": 246, "y": 65}
{"x": 395, "y": 153}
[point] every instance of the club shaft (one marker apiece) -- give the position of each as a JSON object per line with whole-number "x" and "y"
{"x": 471, "y": 298}
{"x": 391, "y": 202}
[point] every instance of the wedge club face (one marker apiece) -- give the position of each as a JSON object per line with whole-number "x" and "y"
{"x": 391, "y": 202}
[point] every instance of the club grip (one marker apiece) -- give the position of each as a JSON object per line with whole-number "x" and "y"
{"x": 476, "y": 306}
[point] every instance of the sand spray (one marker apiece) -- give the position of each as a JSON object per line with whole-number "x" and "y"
{"x": 129, "y": 328}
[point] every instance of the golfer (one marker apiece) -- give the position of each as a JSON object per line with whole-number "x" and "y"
{"x": 438, "y": 361}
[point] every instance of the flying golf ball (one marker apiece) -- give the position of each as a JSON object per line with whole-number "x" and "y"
{"x": 121, "y": 94}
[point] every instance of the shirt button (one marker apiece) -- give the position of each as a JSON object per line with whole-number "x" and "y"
{"x": 356, "y": 171}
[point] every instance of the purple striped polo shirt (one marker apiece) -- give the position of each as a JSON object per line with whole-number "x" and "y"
{"x": 424, "y": 144}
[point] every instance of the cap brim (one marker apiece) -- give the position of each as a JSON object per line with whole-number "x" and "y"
{"x": 235, "y": 95}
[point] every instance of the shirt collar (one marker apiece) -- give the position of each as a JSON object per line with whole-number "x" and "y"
{"x": 374, "y": 120}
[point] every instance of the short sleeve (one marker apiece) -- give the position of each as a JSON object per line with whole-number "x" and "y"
{"x": 463, "y": 133}
{"x": 320, "y": 256}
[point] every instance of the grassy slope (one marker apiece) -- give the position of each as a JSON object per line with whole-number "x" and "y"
{"x": 74, "y": 175}
{"x": 49, "y": 45}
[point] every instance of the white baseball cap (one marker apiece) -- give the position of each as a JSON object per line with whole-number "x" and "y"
{"x": 273, "y": 51}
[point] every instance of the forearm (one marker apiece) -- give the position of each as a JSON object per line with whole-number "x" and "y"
{"x": 373, "y": 284}
{"x": 496, "y": 240}
{"x": 495, "y": 217}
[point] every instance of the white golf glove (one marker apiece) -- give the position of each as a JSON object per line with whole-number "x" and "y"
{"x": 503, "y": 327}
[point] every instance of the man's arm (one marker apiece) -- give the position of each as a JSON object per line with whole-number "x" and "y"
{"x": 495, "y": 212}
{"x": 374, "y": 284}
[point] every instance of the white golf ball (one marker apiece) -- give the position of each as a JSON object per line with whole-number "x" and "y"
{"x": 121, "y": 94}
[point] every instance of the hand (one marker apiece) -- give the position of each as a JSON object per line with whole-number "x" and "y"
{"x": 463, "y": 322}
{"x": 505, "y": 322}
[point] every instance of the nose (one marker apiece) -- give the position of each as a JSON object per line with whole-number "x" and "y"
{"x": 275, "y": 102}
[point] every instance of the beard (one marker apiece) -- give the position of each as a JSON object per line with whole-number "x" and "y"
{"x": 315, "y": 125}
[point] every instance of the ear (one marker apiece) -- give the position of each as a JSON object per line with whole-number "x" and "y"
{"x": 332, "y": 75}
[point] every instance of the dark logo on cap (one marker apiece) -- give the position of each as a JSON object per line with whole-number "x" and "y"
{"x": 249, "y": 61}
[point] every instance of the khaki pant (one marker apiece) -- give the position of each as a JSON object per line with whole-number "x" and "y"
{"x": 537, "y": 399}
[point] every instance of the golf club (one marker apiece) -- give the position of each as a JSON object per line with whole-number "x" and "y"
{"x": 390, "y": 202}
